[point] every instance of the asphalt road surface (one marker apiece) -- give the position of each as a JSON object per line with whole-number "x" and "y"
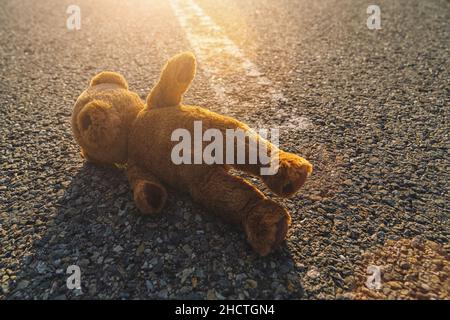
{"x": 368, "y": 108}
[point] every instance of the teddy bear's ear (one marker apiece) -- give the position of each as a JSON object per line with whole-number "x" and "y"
{"x": 109, "y": 77}
{"x": 175, "y": 79}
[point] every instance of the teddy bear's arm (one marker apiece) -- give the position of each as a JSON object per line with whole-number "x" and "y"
{"x": 148, "y": 193}
{"x": 237, "y": 201}
{"x": 175, "y": 79}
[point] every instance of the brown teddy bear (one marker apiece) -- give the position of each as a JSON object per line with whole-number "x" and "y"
{"x": 112, "y": 125}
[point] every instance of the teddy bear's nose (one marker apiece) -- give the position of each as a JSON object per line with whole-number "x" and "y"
{"x": 85, "y": 122}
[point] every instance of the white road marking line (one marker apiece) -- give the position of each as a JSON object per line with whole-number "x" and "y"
{"x": 223, "y": 61}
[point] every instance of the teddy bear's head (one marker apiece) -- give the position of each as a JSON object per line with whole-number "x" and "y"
{"x": 104, "y": 112}
{"x": 102, "y": 117}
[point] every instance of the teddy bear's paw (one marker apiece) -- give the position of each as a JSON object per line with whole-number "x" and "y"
{"x": 266, "y": 226}
{"x": 184, "y": 64}
{"x": 149, "y": 197}
{"x": 175, "y": 79}
{"x": 291, "y": 175}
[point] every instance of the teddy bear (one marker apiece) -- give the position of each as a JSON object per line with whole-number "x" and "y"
{"x": 113, "y": 126}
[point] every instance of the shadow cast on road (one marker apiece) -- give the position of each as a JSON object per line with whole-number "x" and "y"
{"x": 181, "y": 254}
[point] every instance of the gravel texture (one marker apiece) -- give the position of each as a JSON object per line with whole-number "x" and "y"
{"x": 378, "y": 104}
{"x": 411, "y": 269}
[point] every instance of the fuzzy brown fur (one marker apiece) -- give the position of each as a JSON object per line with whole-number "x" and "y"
{"x": 112, "y": 125}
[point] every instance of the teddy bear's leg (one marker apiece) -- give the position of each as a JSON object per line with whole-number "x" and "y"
{"x": 289, "y": 171}
{"x": 237, "y": 201}
{"x": 291, "y": 174}
{"x": 148, "y": 193}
